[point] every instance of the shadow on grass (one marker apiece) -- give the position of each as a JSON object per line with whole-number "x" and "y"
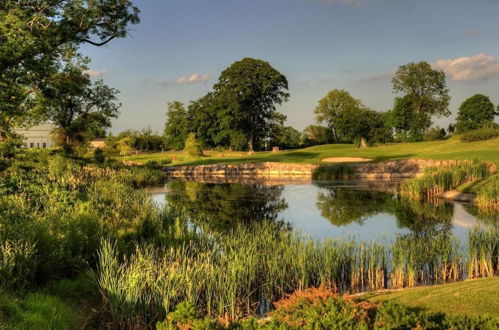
{"x": 292, "y": 157}
{"x": 378, "y": 159}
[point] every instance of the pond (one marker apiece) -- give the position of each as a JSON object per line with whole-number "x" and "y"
{"x": 320, "y": 210}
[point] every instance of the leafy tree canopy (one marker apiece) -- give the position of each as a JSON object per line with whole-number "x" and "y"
{"x": 177, "y": 125}
{"x": 36, "y": 35}
{"x": 475, "y": 112}
{"x": 287, "y": 138}
{"x": 424, "y": 94}
{"x": 81, "y": 109}
{"x": 247, "y": 94}
{"x": 424, "y": 87}
{"x": 349, "y": 120}
{"x": 316, "y": 134}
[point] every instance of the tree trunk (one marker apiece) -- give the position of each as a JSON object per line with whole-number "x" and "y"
{"x": 250, "y": 144}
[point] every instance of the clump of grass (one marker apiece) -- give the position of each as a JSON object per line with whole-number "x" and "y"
{"x": 488, "y": 194}
{"x": 483, "y": 253}
{"x": 437, "y": 180}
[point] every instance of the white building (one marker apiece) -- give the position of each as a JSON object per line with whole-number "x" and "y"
{"x": 39, "y": 136}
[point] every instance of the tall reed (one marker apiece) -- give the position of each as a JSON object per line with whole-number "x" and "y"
{"x": 483, "y": 253}
{"x": 229, "y": 275}
{"x": 437, "y": 180}
{"x": 488, "y": 194}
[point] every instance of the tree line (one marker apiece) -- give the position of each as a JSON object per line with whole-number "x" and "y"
{"x": 240, "y": 113}
{"x": 44, "y": 77}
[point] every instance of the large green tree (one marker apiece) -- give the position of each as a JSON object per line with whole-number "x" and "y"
{"x": 247, "y": 94}
{"x": 177, "y": 125}
{"x": 316, "y": 134}
{"x": 475, "y": 112}
{"x": 349, "y": 120}
{"x": 81, "y": 109}
{"x": 287, "y": 137}
{"x": 36, "y": 35}
{"x": 423, "y": 94}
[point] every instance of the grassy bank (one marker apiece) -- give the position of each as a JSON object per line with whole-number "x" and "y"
{"x": 60, "y": 218}
{"x": 473, "y": 297}
{"x": 449, "y": 149}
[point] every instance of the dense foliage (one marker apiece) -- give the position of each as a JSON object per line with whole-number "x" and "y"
{"x": 423, "y": 93}
{"x": 474, "y": 113}
{"x": 481, "y": 134}
{"x": 240, "y": 113}
{"x": 349, "y": 120}
{"x": 35, "y": 36}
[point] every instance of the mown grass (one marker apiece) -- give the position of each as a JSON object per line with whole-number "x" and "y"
{"x": 473, "y": 297}
{"x": 449, "y": 149}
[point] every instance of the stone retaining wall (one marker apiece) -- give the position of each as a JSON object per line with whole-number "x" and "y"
{"x": 243, "y": 170}
{"x": 390, "y": 170}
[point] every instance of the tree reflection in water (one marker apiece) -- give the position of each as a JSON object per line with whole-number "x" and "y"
{"x": 345, "y": 205}
{"x": 222, "y": 206}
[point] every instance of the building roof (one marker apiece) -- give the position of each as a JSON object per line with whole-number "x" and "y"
{"x": 45, "y": 127}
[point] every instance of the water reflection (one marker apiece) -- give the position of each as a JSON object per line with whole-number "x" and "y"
{"x": 221, "y": 206}
{"x": 322, "y": 210}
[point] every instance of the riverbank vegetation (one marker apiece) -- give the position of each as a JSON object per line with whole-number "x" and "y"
{"x": 61, "y": 218}
{"x": 437, "y": 180}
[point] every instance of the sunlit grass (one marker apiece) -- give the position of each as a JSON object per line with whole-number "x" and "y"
{"x": 474, "y": 297}
{"x": 451, "y": 149}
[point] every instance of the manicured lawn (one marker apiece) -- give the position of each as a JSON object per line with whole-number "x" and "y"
{"x": 452, "y": 148}
{"x": 474, "y": 297}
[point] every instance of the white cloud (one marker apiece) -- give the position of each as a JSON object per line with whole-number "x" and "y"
{"x": 95, "y": 73}
{"x": 193, "y": 78}
{"x": 474, "y": 68}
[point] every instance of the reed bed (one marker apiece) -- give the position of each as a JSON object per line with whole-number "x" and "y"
{"x": 240, "y": 273}
{"x": 437, "y": 180}
{"x": 483, "y": 253}
{"x": 488, "y": 194}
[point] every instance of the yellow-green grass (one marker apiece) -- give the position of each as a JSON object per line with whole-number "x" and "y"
{"x": 449, "y": 149}
{"x": 473, "y": 187}
{"x": 473, "y": 297}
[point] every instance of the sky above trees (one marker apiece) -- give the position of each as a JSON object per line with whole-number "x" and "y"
{"x": 180, "y": 48}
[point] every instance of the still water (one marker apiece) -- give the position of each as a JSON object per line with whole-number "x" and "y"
{"x": 319, "y": 210}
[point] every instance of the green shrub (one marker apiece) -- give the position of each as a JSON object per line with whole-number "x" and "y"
{"x": 192, "y": 146}
{"x": 165, "y": 161}
{"x": 99, "y": 156}
{"x": 482, "y": 322}
{"x": 186, "y": 317}
{"x": 481, "y": 134}
{"x": 390, "y": 315}
{"x": 435, "y": 134}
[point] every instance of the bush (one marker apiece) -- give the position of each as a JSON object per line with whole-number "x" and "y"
{"x": 320, "y": 308}
{"x": 192, "y": 146}
{"x": 435, "y": 134}
{"x": 481, "y": 134}
{"x": 99, "y": 156}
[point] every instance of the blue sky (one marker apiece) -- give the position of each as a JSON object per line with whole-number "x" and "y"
{"x": 181, "y": 46}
